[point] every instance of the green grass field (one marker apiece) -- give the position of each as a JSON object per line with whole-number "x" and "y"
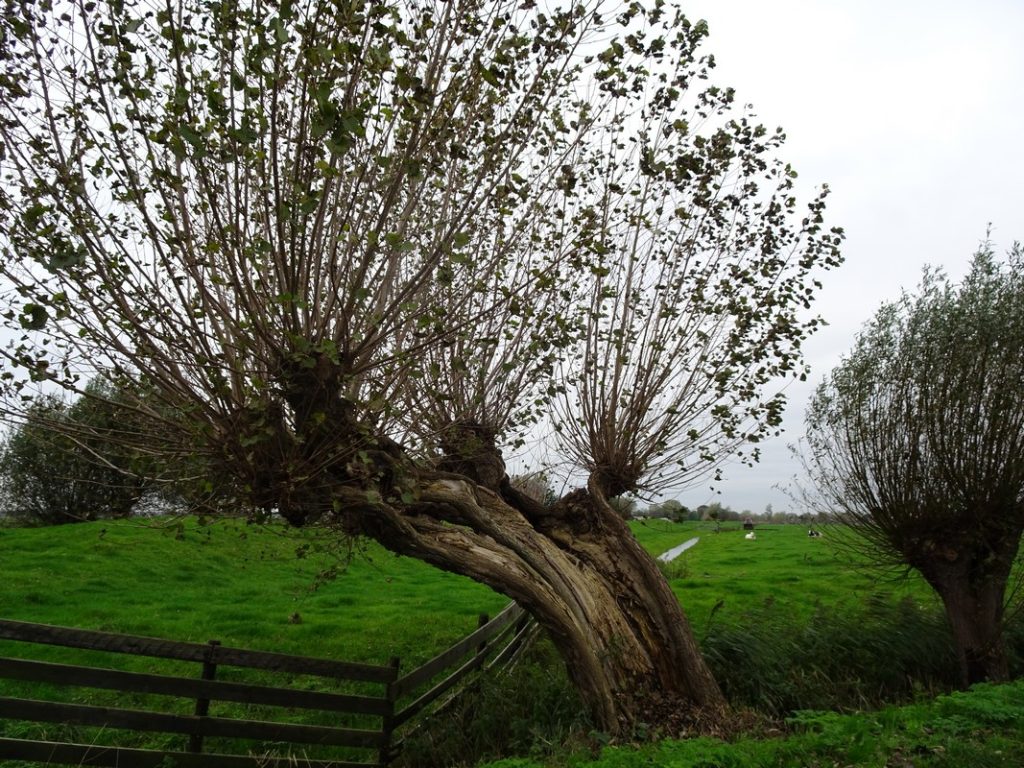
{"x": 783, "y": 565}
{"x": 755, "y": 606}
{"x": 270, "y": 588}
{"x": 260, "y": 587}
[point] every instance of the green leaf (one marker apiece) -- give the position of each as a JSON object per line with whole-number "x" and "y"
{"x": 64, "y": 258}
{"x": 193, "y": 137}
{"x": 34, "y": 214}
{"x": 489, "y": 75}
{"x": 34, "y": 317}
{"x": 309, "y": 204}
{"x": 280, "y": 31}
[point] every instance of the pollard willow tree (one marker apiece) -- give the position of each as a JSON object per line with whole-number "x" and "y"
{"x": 350, "y": 251}
{"x": 917, "y": 438}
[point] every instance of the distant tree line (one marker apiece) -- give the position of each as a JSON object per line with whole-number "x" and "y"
{"x": 58, "y": 464}
{"x": 676, "y": 511}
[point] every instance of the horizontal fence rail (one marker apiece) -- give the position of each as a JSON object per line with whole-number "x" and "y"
{"x": 144, "y": 720}
{"x": 186, "y": 687}
{"x": 497, "y": 640}
{"x": 200, "y": 652}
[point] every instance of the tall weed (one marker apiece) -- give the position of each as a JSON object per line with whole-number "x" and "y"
{"x": 838, "y": 659}
{"x": 530, "y": 709}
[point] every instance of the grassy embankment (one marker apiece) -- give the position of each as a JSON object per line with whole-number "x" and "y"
{"x": 256, "y": 587}
{"x": 758, "y": 607}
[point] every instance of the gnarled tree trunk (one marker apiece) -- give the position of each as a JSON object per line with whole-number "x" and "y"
{"x": 579, "y": 571}
{"x": 574, "y": 565}
{"x": 970, "y": 574}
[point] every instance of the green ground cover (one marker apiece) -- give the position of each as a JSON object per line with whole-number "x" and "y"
{"x": 730, "y": 575}
{"x": 264, "y": 587}
{"x": 260, "y": 587}
{"x": 786, "y": 623}
{"x": 981, "y": 727}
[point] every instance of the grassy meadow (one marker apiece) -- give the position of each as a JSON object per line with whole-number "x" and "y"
{"x": 305, "y": 592}
{"x": 261, "y": 587}
{"x": 786, "y": 623}
{"x": 729, "y": 575}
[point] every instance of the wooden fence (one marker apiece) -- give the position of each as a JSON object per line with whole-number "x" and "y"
{"x": 396, "y": 703}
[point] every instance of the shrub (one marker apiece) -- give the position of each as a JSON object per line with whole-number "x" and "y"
{"x": 528, "y": 710}
{"x": 851, "y": 659}
{"x": 837, "y": 660}
{"x": 49, "y": 477}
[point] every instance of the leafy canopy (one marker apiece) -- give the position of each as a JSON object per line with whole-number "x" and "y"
{"x": 918, "y": 435}
{"x": 57, "y": 465}
{"x": 310, "y": 227}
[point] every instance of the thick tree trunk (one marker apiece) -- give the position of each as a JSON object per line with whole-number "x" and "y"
{"x": 579, "y": 571}
{"x": 574, "y": 565}
{"x": 975, "y": 618}
{"x": 975, "y": 615}
{"x": 972, "y": 585}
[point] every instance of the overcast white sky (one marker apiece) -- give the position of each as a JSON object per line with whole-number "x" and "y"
{"x": 913, "y": 113}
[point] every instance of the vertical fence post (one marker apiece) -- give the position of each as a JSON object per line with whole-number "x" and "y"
{"x": 195, "y": 740}
{"x": 480, "y": 623}
{"x": 387, "y": 725}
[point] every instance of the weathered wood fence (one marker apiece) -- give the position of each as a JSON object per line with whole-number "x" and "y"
{"x": 396, "y": 703}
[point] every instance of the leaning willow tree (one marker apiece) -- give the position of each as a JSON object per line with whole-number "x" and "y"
{"x": 349, "y": 251}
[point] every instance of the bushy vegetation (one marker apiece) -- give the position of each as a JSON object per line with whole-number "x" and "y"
{"x": 840, "y": 658}
{"x": 529, "y": 710}
{"x": 57, "y": 465}
{"x": 917, "y": 439}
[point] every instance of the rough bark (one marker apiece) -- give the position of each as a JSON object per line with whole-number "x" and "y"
{"x": 975, "y": 617}
{"x": 580, "y": 572}
{"x": 575, "y": 566}
{"x": 971, "y": 581}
